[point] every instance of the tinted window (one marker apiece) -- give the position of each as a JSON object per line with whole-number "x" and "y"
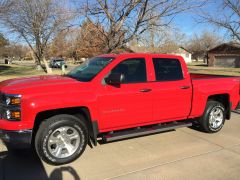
{"x": 134, "y": 70}
{"x": 167, "y": 69}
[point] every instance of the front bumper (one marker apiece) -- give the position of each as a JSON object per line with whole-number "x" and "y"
{"x": 17, "y": 139}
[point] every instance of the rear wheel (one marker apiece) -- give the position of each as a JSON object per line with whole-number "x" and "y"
{"x": 61, "y": 139}
{"x": 213, "y": 118}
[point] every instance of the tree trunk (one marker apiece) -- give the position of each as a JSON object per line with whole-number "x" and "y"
{"x": 47, "y": 69}
{"x": 37, "y": 62}
{"x": 41, "y": 58}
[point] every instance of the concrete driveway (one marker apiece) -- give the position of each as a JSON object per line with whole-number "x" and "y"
{"x": 181, "y": 154}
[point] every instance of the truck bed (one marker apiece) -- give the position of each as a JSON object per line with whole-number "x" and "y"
{"x": 205, "y": 84}
{"x": 209, "y": 76}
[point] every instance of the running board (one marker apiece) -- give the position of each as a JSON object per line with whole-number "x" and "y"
{"x": 141, "y": 131}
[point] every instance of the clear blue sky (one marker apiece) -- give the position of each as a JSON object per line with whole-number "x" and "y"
{"x": 188, "y": 22}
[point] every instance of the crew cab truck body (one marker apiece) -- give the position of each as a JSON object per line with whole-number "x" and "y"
{"x": 113, "y": 97}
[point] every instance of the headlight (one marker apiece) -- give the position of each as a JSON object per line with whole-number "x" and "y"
{"x": 10, "y": 107}
{"x": 12, "y": 99}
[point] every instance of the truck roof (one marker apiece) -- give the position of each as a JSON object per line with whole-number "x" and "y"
{"x": 140, "y": 54}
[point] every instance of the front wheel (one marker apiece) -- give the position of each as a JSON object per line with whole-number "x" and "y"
{"x": 61, "y": 139}
{"x": 213, "y": 118}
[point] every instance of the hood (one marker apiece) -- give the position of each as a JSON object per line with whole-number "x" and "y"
{"x": 38, "y": 84}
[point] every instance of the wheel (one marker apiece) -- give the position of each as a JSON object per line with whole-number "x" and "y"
{"x": 213, "y": 118}
{"x": 61, "y": 139}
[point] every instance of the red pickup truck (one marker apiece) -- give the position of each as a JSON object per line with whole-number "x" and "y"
{"x": 111, "y": 97}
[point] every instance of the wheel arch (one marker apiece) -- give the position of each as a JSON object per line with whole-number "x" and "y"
{"x": 75, "y": 111}
{"x": 225, "y": 100}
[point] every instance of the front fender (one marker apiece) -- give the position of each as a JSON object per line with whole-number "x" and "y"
{"x": 34, "y": 105}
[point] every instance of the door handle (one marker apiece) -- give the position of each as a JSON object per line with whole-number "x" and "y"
{"x": 184, "y": 87}
{"x": 145, "y": 90}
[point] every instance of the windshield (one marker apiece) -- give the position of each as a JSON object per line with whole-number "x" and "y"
{"x": 90, "y": 68}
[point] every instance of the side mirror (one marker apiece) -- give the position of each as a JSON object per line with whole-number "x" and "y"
{"x": 114, "y": 79}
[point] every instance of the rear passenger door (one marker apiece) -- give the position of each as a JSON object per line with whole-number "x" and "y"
{"x": 172, "y": 92}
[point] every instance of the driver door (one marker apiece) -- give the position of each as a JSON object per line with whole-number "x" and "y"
{"x": 130, "y": 103}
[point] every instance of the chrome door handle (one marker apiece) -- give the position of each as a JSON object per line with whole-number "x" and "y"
{"x": 145, "y": 90}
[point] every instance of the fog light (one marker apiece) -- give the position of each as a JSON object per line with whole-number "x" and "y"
{"x": 15, "y": 115}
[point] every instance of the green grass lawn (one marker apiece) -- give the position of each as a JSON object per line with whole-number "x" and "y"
{"x": 201, "y": 68}
{"x": 15, "y": 71}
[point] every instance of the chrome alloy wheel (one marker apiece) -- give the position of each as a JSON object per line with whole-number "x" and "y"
{"x": 63, "y": 142}
{"x": 216, "y": 117}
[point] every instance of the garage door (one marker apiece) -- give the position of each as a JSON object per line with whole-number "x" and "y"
{"x": 226, "y": 61}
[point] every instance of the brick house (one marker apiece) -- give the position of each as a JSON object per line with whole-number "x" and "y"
{"x": 225, "y": 55}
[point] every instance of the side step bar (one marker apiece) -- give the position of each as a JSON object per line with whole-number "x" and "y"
{"x": 141, "y": 131}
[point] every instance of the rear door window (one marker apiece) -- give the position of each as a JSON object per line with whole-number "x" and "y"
{"x": 167, "y": 69}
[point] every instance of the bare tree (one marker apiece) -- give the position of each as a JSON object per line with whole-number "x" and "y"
{"x": 59, "y": 45}
{"x": 14, "y": 51}
{"x": 227, "y": 17}
{"x": 36, "y": 21}
{"x": 90, "y": 41}
{"x": 125, "y": 19}
{"x": 4, "y": 6}
{"x": 158, "y": 41}
{"x": 3, "y": 40}
{"x": 200, "y": 44}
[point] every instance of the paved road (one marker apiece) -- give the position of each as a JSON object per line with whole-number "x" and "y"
{"x": 181, "y": 154}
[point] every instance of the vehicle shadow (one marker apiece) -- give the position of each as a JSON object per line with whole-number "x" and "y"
{"x": 196, "y": 127}
{"x": 26, "y": 165}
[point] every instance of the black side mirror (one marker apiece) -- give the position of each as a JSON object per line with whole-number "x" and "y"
{"x": 114, "y": 79}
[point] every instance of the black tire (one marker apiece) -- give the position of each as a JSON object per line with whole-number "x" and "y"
{"x": 47, "y": 130}
{"x": 205, "y": 120}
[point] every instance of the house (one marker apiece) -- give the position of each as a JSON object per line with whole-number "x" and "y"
{"x": 225, "y": 55}
{"x": 165, "y": 49}
{"x": 181, "y": 51}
